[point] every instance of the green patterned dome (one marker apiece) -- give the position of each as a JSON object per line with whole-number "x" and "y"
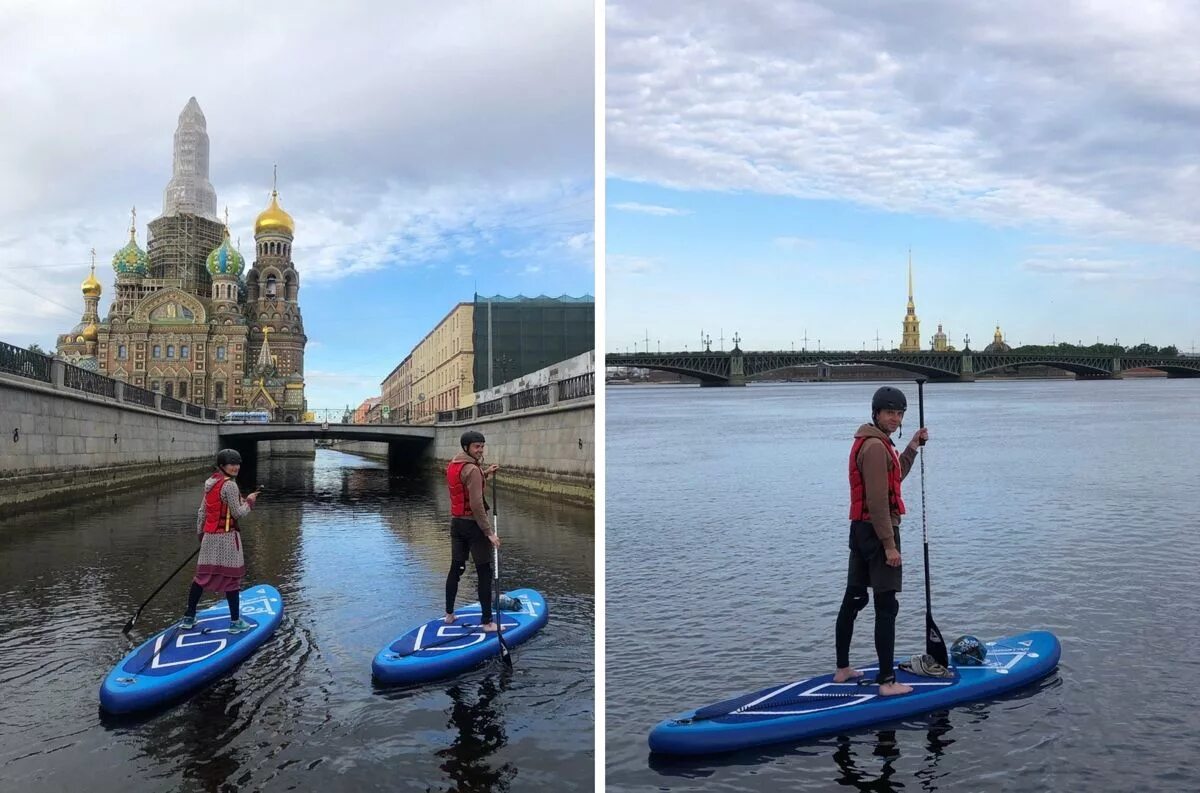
{"x": 226, "y": 260}
{"x": 131, "y": 258}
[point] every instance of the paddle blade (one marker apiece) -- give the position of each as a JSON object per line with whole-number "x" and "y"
{"x": 129, "y": 625}
{"x": 935, "y": 645}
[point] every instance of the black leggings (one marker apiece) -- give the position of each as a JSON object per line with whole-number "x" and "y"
{"x": 197, "y": 591}
{"x": 484, "y": 571}
{"x": 886, "y": 608}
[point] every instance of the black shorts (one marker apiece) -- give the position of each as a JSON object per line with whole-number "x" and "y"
{"x": 467, "y": 539}
{"x": 868, "y": 562}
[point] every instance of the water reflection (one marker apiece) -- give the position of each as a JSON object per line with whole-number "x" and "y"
{"x": 481, "y": 733}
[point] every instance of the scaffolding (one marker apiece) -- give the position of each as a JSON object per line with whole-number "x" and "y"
{"x": 178, "y": 248}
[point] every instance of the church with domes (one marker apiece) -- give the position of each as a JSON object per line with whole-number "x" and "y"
{"x": 188, "y": 318}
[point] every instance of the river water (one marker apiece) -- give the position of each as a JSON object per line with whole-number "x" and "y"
{"x": 359, "y": 558}
{"x": 1057, "y": 505}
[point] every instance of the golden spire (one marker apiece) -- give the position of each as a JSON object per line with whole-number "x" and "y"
{"x": 90, "y": 286}
{"x": 133, "y": 223}
{"x": 273, "y": 218}
{"x": 911, "y": 307}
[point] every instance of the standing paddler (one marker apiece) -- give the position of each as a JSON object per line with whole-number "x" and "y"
{"x": 221, "y": 564}
{"x": 471, "y": 531}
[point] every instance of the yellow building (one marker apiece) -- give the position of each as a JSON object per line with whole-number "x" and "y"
{"x": 441, "y": 366}
{"x": 911, "y": 335}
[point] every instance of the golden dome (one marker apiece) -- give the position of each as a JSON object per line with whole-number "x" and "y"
{"x": 89, "y": 333}
{"x": 90, "y": 286}
{"x": 273, "y": 218}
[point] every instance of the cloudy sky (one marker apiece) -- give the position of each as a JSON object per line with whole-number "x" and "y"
{"x": 770, "y": 164}
{"x": 425, "y": 150}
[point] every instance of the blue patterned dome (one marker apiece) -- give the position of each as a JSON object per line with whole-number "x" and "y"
{"x": 226, "y": 260}
{"x": 131, "y": 259}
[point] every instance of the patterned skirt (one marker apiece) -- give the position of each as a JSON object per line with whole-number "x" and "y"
{"x": 221, "y": 564}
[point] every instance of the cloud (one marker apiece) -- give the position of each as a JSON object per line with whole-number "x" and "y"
{"x": 650, "y": 209}
{"x": 1072, "y": 116}
{"x": 623, "y": 264}
{"x": 1083, "y": 269}
{"x": 405, "y": 134}
{"x": 792, "y": 243}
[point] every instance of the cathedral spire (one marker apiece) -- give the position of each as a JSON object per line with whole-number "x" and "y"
{"x": 911, "y": 335}
{"x": 189, "y": 191}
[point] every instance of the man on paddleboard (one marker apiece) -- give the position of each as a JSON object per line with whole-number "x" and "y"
{"x": 221, "y": 564}
{"x": 471, "y": 532}
{"x": 875, "y": 509}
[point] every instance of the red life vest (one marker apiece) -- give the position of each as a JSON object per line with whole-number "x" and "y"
{"x": 460, "y": 502}
{"x": 217, "y": 517}
{"x": 858, "y": 491}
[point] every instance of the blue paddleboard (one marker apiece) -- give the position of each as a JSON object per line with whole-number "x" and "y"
{"x": 818, "y": 706}
{"x": 176, "y": 662}
{"x": 438, "y": 649}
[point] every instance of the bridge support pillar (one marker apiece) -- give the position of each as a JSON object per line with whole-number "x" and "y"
{"x": 722, "y": 383}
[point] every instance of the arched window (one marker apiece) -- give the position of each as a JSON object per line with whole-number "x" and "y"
{"x": 122, "y": 353}
{"x": 271, "y": 285}
{"x": 184, "y": 353}
{"x": 219, "y": 392}
{"x": 170, "y": 350}
{"x": 220, "y": 353}
{"x": 157, "y": 353}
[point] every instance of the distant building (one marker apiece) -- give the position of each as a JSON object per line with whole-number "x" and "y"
{"x": 440, "y": 367}
{"x": 514, "y": 336}
{"x": 189, "y": 319}
{"x": 910, "y": 339}
{"x": 998, "y": 344}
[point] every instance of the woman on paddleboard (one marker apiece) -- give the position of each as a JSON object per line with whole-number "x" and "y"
{"x": 221, "y": 564}
{"x": 875, "y": 509}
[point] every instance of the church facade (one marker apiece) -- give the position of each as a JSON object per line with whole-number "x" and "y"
{"x": 188, "y": 319}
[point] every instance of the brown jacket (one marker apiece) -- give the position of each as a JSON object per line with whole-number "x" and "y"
{"x": 874, "y": 462}
{"x": 473, "y": 478}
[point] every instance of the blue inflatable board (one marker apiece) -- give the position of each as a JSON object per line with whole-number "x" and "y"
{"x": 176, "y": 662}
{"x": 439, "y": 649}
{"x": 818, "y": 706}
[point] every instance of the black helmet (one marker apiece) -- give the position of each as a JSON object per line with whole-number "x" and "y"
{"x": 968, "y": 651}
{"x": 469, "y": 437}
{"x": 888, "y": 398}
{"x": 228, "y": 457}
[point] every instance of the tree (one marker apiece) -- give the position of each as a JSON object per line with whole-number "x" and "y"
{"x": 37, "y": 348}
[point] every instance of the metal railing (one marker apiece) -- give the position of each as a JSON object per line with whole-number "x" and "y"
{"x": 209, "y": 413}
{"x": 195, "y": 411}
{"x": 577, "y": 387}
{"x": 171, "y": 404}
{"x": 138, "y": 395}
{"x": 24, "y": 363}
{"x": 464, "y": 414}
{"x": 530, "y": 398}
{"x": 445, "y": 415}
{"x": 491, "y": 408}
{"x": 89, "y": 382}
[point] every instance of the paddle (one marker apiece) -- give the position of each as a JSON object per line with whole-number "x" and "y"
{"x": 504, "y": 654}
{"x": 935, "y": 645}
{"x": 133, "y": 619}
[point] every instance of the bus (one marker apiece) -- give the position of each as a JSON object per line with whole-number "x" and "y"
{"x": 247, "y": 417}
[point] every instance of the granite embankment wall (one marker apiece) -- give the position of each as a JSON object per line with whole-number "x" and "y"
{"x": 549, "y": 450}
{"x": 58, "y": 443}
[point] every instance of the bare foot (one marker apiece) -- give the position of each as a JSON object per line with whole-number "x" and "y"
{"x": 845, "y": 674}
{"x": 893, "y": 689}
{"x": 488, "y": 627}
{"x": 449, "y": 618}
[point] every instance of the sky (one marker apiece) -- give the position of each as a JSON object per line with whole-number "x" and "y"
{"x": 425, "y": 151}
{"x": 770, "y": 166}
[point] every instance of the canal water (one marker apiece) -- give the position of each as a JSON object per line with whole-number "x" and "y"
{"x": 359, "y": 557}
{"x": 1058, "y": 505}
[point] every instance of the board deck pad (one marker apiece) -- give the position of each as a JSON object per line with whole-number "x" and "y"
{"x": 437, "y": 649}
{"x": 818, "y": 706}
{"x": 176, "y": 661}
